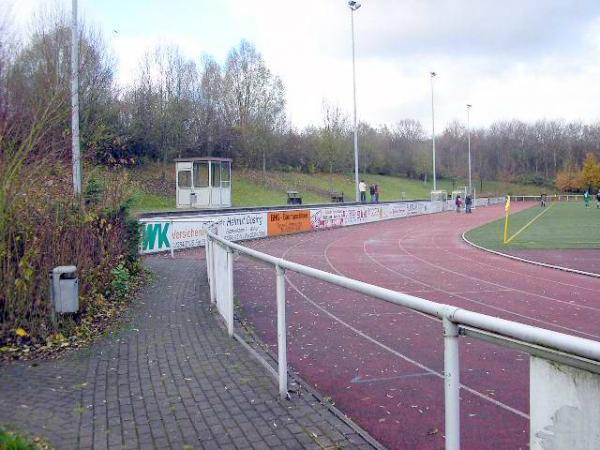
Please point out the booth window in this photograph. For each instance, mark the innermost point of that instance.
(216, 174)
(225, 172)
(184, 179)
(200, 174)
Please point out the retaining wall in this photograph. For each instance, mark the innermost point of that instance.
(177, 230)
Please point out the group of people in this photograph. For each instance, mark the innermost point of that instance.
(587, 198)
(468, 202)
(373, 192)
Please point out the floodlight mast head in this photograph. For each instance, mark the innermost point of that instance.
(433, 74)
(469, 106)
(353, 5)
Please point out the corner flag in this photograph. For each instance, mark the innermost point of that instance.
(507, 213)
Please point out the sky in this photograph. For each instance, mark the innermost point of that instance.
(521, 59)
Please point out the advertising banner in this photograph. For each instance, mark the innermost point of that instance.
(394, 210)
(288, 222)
(240, 227)
(323, 218)
(160, 233)
(163, 235)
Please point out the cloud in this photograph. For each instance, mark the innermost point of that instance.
(508, 29)
(525, 59)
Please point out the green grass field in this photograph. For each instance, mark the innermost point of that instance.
(562, 226)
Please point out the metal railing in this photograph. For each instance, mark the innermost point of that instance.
(562, 348)
(552, 197)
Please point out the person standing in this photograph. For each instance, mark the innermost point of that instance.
(542, 200)
(598, 199)
(372, 192)
(586, 199)
(376, 186)
(458, 203)
(362, 188)
(468, 202)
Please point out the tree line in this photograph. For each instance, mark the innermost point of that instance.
(178, 106)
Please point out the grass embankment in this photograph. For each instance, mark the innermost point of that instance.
(561, 226)
(155, 192)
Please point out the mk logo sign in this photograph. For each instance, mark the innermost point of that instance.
(156, 236)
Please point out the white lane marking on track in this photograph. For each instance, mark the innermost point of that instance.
(360, 380)
(404, 357)
(473, 300)
(496, 267)
(551, 324)
(380, 344)
(501, 285)
(470, 299)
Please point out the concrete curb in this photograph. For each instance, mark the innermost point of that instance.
(529, 261)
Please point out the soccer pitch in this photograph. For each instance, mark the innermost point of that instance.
(561, 226)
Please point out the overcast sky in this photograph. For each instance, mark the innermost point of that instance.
(525, 59)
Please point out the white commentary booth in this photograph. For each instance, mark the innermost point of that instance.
(203, 182)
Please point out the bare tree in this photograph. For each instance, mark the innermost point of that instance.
(333, 137)
(254, 101)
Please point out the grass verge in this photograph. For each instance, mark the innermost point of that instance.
(10, 440)
(153, 192)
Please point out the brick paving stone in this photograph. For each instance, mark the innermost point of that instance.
(169, 377)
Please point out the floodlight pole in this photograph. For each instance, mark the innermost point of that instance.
(433, 75)
(75, 101)
(469, 145)
(353, 5)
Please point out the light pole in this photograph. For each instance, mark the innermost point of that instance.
(433, 75)
(353, 5)
(75, 101)
(469, 145)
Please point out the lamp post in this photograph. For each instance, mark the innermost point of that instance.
(433, 75)
(75, 101)
(469, 145)
(353, 5)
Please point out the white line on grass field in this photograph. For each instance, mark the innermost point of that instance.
(524, 227)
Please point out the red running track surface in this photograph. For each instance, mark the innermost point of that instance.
(382, 364)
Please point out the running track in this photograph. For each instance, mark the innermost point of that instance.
(382, 364)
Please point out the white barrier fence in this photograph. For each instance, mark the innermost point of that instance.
(169, 233)
(564, 369)
(549, 198)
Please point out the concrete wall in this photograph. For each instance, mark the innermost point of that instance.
(564, 405)
(164, 232)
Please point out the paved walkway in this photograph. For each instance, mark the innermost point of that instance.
(171, 378)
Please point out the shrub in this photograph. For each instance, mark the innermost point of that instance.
(13, 441)
(120, 282)
(46, 227)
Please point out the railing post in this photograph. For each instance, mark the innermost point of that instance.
(451, 385)
(281, 333)
(171, 241)
(229, 291)
(210, 264)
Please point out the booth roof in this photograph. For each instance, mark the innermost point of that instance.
(202, 158)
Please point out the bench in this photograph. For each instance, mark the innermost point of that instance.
(294, 198)
(336, 197)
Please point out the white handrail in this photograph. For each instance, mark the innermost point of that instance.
(582, 347)
(572, 349)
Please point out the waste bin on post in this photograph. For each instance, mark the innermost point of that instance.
(64, 289)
